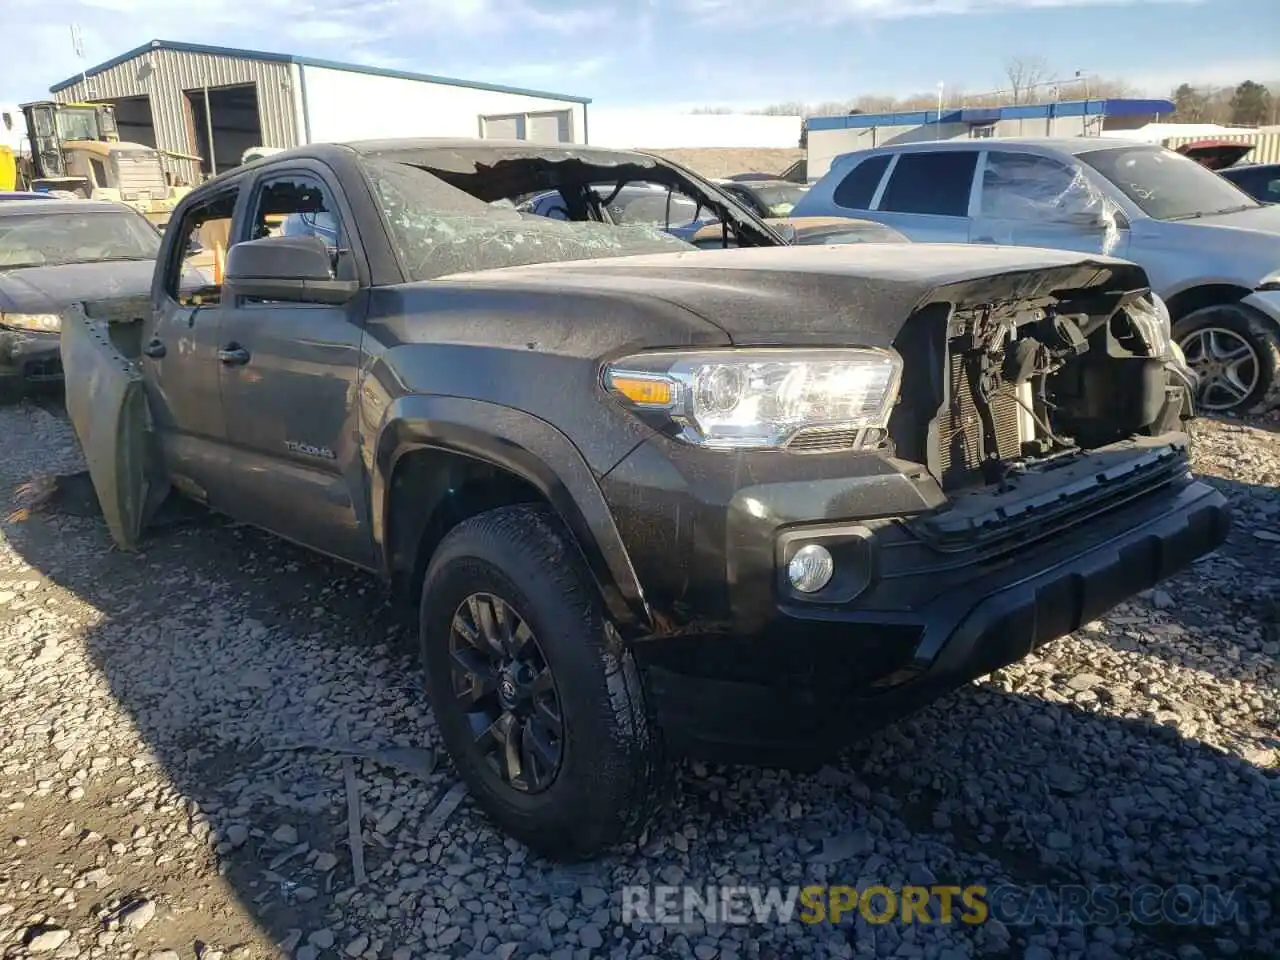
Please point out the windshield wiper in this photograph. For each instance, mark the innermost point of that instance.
(1215, 213)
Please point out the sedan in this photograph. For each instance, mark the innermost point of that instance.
(1211, 251)
(765, 198)
(54, 253)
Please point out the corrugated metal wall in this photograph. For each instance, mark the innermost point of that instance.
(1266, 145)
(165, 75)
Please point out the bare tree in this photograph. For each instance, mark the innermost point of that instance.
(792, 108)
(1024, 75)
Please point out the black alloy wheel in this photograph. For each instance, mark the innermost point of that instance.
(540, 704)
(504, 685)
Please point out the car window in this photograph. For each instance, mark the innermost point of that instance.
(1263, 185)
(206, 233)
(295, 205)
(936, 183)
(1166, 185)
(437, 229)
(299, 205)
(651, 204)
(64, 237)
(1024, 186)
(858, 188)
(778, 200)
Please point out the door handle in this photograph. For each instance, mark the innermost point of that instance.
(233, 355)
(155, 350)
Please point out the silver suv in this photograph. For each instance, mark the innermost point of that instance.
(1212, 252)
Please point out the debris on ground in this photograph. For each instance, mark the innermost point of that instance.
(205, 750)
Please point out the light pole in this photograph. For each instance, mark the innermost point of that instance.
(937, 127)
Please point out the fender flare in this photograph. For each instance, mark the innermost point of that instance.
(530, 448)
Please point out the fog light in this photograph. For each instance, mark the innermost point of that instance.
(811, 568)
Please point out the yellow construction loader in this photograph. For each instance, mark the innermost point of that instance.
(76, 147)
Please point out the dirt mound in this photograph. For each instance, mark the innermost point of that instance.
(725, 161)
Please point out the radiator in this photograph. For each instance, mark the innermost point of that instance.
(140, 172)
(960, 428)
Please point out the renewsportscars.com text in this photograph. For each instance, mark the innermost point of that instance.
(1065, 905)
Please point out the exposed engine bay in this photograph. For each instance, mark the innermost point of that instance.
(1025, 383)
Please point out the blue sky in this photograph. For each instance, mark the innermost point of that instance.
(681, 53)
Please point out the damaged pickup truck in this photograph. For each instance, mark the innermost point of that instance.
(650, 500)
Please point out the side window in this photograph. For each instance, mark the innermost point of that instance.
(195, 274)
(858, 188)
(935, 183)
(297, 205)
(1023, 186)
(294, 205)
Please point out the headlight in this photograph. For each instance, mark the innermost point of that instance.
(1150, 317)
(745, 399)
(43, 322)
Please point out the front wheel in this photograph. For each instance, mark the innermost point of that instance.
(539, 703)
(1235, 354)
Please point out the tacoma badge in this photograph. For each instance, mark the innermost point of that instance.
(310, 451)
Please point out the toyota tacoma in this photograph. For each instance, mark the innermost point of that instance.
(649, 500)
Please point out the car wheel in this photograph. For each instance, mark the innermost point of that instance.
(1235, 354)
(539, 703)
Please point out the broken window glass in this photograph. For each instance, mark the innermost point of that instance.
(439, 230)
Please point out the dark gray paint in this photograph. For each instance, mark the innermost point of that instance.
(51, 289)
(501, 365)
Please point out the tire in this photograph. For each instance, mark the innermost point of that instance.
(611, 770)
(1256, 387)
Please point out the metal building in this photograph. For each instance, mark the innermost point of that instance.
(829, 137)
(182, 97)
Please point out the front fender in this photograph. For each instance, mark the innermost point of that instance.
(529, 448)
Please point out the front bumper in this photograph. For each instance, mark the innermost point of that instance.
(952, 594)
(33, 357)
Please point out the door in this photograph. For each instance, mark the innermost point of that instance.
(1029, 200)
(289, 376)
(179, 351)
(927, 195)
(46, 150)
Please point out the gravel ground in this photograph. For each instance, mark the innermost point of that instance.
(172, 775)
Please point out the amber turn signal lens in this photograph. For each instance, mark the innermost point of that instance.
(643, 391)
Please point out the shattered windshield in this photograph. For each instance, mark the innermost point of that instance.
(439, 230)
(1167, 185)
(54, 239)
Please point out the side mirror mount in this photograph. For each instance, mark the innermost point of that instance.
(296, 269)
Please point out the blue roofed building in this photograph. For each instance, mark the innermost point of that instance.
(828, 137)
